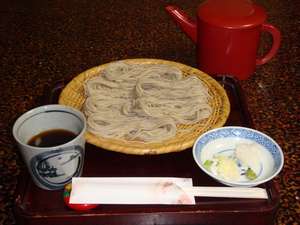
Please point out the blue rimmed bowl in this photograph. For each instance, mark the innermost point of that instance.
(225, 139)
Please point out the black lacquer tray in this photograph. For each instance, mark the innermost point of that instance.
(36, 206)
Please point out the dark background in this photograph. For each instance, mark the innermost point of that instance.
(44, 41)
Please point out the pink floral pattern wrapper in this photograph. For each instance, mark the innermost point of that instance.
(131, 190)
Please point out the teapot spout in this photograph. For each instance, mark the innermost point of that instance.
(184, 21)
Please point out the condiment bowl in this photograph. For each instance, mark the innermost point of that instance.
(238, 156)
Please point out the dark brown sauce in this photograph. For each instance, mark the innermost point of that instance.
(51, 138)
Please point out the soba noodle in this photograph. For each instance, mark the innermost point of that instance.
(143, 102)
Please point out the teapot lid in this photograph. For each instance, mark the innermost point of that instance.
(231, 13)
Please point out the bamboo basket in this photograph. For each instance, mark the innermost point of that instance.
(73, 95)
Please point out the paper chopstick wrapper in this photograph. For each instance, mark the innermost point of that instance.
(150, 190)
(130, 190)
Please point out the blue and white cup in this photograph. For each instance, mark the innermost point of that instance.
(51, 168)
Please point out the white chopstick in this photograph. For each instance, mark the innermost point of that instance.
(228, 192)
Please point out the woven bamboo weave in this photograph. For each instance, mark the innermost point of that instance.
(73, 95)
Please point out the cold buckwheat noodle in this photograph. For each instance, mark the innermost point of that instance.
(143, 102)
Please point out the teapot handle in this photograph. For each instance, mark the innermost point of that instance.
(276, 42)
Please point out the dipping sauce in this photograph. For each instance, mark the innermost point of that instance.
(51, 138)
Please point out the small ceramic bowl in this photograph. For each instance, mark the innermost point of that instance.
(268, 159)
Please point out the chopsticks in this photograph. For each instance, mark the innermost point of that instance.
(227, 192)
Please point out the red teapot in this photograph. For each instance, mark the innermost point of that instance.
(227, 35)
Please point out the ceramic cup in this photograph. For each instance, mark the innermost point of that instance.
(51, 168)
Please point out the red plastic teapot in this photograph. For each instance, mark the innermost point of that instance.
(227, 34)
